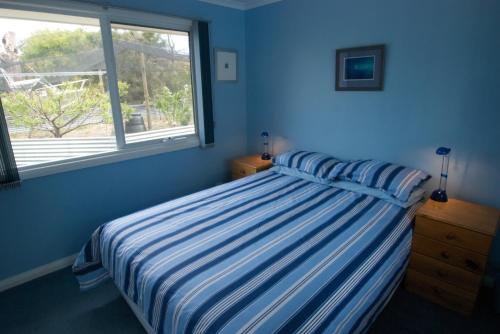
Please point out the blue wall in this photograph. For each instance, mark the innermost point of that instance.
(441, 87)
(51, 217)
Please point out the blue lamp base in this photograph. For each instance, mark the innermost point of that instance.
(439, 196)
(266, 156)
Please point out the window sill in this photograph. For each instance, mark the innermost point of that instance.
(140, 151)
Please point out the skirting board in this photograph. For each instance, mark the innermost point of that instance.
(32, 274)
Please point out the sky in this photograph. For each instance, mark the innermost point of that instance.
(24, 28)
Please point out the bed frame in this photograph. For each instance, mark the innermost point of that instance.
(138, 314)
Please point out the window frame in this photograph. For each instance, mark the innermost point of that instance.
(124, 151)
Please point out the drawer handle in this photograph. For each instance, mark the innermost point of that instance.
(445, 255)
(437, 291)
(441, 273)
(471, 264)
(242, 171)
(450, 236)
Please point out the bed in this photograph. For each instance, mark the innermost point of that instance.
(270, 253)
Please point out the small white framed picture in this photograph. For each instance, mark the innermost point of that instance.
(226, 65)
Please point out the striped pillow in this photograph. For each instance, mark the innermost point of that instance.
(315, 164)
(398, 181)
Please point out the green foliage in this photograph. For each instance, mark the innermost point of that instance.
(160, 70)
(176, 106)
(62, 109)
(58, 110)
(143, 37)
(49, 50)
(127, 110)
(67, 50)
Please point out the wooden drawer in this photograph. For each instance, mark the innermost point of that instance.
(459, 257)
(440, 292)
(239, 170)
(453, 235)
(450, 274)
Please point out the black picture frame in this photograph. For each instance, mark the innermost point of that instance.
(360, 68)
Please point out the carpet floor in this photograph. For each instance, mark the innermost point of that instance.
(54, 304)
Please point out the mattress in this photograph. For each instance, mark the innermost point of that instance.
(269, 253)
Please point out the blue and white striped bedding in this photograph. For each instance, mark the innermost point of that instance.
(397, 181)
(316, 164)
(269, 253)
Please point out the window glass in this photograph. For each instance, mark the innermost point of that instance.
(154, 79)
(53, 87)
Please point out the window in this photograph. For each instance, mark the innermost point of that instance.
(54, 87)
(106, 85)
(154, 79)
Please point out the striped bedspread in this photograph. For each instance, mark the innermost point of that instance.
(269, 253)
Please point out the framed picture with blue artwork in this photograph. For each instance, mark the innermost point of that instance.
(360, 68)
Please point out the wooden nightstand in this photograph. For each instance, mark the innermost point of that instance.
(450, 251)
(248, 165)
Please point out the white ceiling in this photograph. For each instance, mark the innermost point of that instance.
(241, 4)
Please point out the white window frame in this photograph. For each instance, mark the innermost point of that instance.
(106, 17)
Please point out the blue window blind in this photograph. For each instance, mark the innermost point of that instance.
(206, 82)
(9, 176)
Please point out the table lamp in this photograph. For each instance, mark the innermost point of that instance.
(265, 142)
(440, 195)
